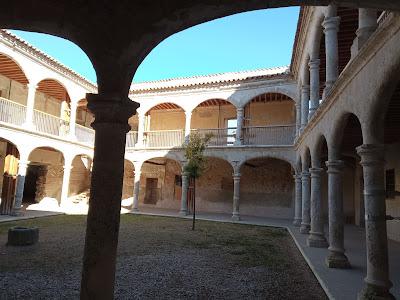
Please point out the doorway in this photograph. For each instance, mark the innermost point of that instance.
(30, 187)
(151, 195)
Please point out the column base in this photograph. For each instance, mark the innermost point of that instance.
(337, 260)
(297, 222)
(16, 212)
(317, 241)
(235, 217)
(305, 229)
(374, 292)
(183, 213)
(135, 210)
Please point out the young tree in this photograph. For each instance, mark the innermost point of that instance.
(196, 162)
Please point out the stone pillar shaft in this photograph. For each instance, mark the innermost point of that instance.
(136, 190)
(184, 197)
(367, 24)
(297, 200)
(298, 118)
(239, 128)
(331, 28)
(314, 86)
(236, 196)
(72, 120)
(305, 99)
(305, 192)
(111, 126)
(316, 237)
(30, 104)
(336, 257)
(19, 190)
(187, 125)
(65, 184)
(141, 124)
(377, 280)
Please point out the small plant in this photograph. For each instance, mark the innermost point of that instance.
(196, 162)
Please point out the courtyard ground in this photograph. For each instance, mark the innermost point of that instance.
(160, 257)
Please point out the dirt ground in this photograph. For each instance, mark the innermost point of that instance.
(161, 258)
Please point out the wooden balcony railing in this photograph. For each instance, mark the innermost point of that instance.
(84, 134)
(50, 124)
(131, 139)
(12, 112)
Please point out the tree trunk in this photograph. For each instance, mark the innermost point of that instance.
(194, 203)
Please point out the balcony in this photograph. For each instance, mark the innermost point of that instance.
(277, 135)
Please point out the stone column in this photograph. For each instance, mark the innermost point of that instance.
(19, 190)
(65, 184)
(236, 196)
(377, 280)
(187, 125)
(316, 236)
(314, 86)
(140, 139)
(305, 99)
(72, 120)
(336, 257)
(30, 104)
(367, 24)
(331, 28)
(297, 200)
(111, 126)
(136, 190)
(239, 128)
(298, 118)
(305, 196)
(184, 197)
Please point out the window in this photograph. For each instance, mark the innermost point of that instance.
(390, 184)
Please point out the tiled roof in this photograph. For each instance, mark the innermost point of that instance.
(210, 79)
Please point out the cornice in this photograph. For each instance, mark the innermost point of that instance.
(379, 38)
(25, 48)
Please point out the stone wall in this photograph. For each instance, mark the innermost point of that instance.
(212, 116)
(170, 119)
(129, 180)
(80, 175)
(13, 90)
(272, 113)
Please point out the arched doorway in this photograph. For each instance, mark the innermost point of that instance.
(9, 158)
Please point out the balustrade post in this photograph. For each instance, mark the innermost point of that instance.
(30, 104)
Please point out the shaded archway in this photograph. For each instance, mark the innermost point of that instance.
(44, 177)
(269, 119)
(79, 182)
(217, 117)
(164, 125)
(214, 189)
(9, 158)
(128, 183)
(160, 184)
(266, 188)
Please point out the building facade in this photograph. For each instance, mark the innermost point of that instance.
(315, 141)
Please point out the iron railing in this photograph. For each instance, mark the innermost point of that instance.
(164, 139)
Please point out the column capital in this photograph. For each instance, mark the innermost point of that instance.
(335, 166)
(137, 173)
(371, 154)
(111, 109)
(188, 113)
(239, 109)
(305, 88)
(32, 86)
(331, 24)
(314, 64)
(297, 177)
(316, 172)
(305, 175)
(236, 176)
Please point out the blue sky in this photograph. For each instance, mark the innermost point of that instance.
(252, 40)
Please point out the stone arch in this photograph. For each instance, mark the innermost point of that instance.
(171, 103)
(168, 116)
(128, 183)
(319, 148)
(276, 156)
(306, 159)
(15, 70)
(316, 36)
(266, 187)
(298, 164)
(288, 92)
(45, 176)
(80, 177)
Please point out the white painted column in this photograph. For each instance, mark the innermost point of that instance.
(236, 196)
(239, 128)
(65, 184)
(314, 86)
(377, 279)
(30, 104)
(136, 190)
(142, 120)
(188, 121)
(297, 200)
(305, 99)
(184, 197)
(331, 28)
(72, 120)
(19, 190)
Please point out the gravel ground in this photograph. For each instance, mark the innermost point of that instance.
(161, 258)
